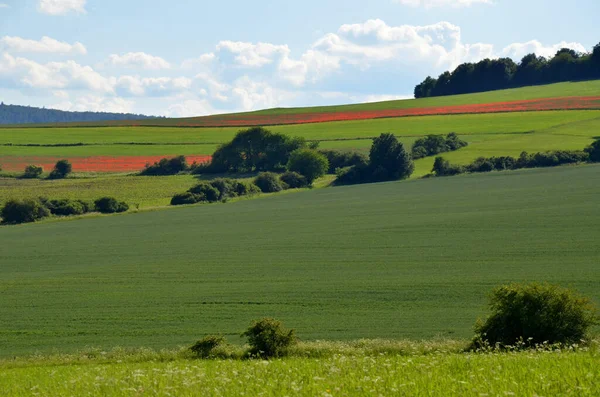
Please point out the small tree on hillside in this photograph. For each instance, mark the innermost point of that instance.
(389, 160)
(309, 163)
(32, 172)
(594, 151)
(61, 170)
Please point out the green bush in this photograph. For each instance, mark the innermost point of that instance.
(246, 188)
(294, 180)
(23, 211)
(442, 167)
(166, 166)
(309, 163)
(268, 338)
(110, 205)
(268, 182)
(342, 159)
(32, 172)
(205, 192)
(205, 347)
(535, 314)
(61, 170)
(593, 151)
(184, 198)
(436, 144)
(68, 207)
(388, 160)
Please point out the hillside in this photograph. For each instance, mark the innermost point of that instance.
(409, 259)
(14, 114)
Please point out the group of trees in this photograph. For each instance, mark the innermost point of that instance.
(32, 210)
(14, 114)
(495, 74)
(436, 144)
(61, 170)
(442, 167)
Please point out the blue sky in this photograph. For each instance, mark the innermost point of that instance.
(187, 57)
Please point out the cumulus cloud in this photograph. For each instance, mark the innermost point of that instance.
(45, 45)
(62, 7)
(253, 55)
(518, 50)
(152, 86)
(442, 3)
(139, 60)
(92, 103)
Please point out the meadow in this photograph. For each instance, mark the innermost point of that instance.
(441, 372)
(413, 259)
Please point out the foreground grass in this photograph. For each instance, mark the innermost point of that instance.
(358, 369)
(409, 259)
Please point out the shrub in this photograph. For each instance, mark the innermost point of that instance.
(342, 159)
(535, 313)
(389, 160)
(442, 167)
(268, 338)
(309, 163)
(294, 180)
(353, 175)
(246, 188)
(205, 192)
(166, 166)
(110, 205)
(32, 172)
(23, 211)
(268, 182)
(436, 144)
(205, 347)
(593, 151)
(61, 169)
(68, 207)
(184, 198)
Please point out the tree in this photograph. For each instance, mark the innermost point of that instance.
(388, 160)
(32, 172)
(309, 163)
(110, 205)
(61, 170)
(268, 338)
(172, 166)
(594, 151)
(23, 211)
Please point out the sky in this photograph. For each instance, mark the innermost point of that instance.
(183, 58)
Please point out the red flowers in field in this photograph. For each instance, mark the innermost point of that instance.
(90, 164)
(244, 120)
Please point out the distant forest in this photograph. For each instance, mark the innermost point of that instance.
(13, 114)
(488, 75)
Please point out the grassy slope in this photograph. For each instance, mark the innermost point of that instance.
(442, 374)
(409, 259)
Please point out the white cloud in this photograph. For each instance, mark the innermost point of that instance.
(250, 94)
(62, 7)
(190, 108)
(253, 55)
(202, 62)
(91, 103)
(152, 86)
(139, 60)
(518, 50)
(442, 3)
(45, 45)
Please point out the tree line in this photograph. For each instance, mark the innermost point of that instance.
(15, 114)
(496, 74)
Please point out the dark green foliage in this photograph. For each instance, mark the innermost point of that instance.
(184, 198)
(534, 314)
(442, 167)
(32, 172)
(342, 159)
(205, 192)
(268, 182)
(353, 175)
(13, 114)
(205, 347)
(255, 149)
(110, 205)
(593, 150)
(436, 144)
(67, 207)
(309, 163)
(61, 170)
(294, 180)
(268, 338)
(23, 211)
(388, 160)
(488, 75)
(166, 166)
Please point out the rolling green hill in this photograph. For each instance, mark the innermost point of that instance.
(409, 259)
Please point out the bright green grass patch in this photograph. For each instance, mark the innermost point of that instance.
(394, 260)
(443, 374)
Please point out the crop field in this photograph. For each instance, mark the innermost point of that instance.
(440, 373)
(413, 259)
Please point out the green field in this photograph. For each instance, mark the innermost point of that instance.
(440, 373)
(410, 259)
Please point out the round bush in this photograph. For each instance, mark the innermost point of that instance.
(268, 338)
(23, 211)
(110, 205)
(309, 163)
(294, 180)
(32, 172)
(67, 207)
(268, 182)
(184, 198)
(535, 313)
(61, 170)
(205, 192)
(205, 347)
